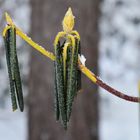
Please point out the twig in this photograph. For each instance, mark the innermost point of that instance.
(84, 69)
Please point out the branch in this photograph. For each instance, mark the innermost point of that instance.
(105, 86)
(83, 69)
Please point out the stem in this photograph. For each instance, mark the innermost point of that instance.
(35, 45)
(105, 86)
(139, 107)
(116, 92)
(83, 69)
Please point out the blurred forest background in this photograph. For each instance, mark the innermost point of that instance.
(110, 38)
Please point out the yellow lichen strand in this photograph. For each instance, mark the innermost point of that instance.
(68, 21)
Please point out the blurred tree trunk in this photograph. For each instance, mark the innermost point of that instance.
(46, 20)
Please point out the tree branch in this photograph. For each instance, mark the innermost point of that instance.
(83, 69)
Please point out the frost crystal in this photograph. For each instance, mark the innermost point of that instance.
(82, 59)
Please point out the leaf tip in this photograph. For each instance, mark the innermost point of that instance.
(8, 19)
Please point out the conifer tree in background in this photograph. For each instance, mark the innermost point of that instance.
(46, 20)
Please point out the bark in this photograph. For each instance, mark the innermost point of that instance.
(46, 20)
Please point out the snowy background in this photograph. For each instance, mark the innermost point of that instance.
(119, 66)
(118, 63)
(13, 123)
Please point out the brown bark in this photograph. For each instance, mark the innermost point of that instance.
(46, 20)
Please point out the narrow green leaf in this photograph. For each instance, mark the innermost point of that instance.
(15, 70)
(72, 69)
(12, 50)
(79, 84)
(60, 84)
(18, 85)
(56, 101)
(8, 45)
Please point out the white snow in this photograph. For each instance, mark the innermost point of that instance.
(120, 68)
(13, 125)
(82, 59)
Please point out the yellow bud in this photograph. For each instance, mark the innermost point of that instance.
(8, 19)
(68, 21)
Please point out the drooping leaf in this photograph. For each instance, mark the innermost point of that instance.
(56, 101)
(9, 43)
(13, 68)
(72, 71)
(79, 84)
(18, 85)
(60, 84)
(16, 71)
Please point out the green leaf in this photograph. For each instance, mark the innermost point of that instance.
(13, 69)
(72, 80)
(79, 84)
(9, 42)
(16, 71)
(60, 84)
(18, 85)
